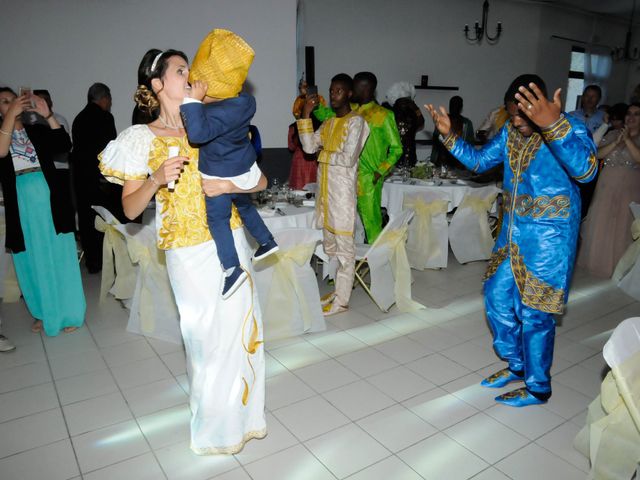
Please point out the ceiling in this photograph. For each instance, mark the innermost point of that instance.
(619, 8)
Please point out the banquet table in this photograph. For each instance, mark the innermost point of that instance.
(394, 190)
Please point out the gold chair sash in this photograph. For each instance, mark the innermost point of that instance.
(395, 240)
(117, 270)
(632, 254)
(426, 241)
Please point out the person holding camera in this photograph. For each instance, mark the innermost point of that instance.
(39, 225)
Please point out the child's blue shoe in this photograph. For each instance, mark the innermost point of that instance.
(232, 282)
(265, 250)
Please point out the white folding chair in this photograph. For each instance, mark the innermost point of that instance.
(611, 437)
(288, 288)
(153, 308)
(387, 265)
(118, 271)
(428, 240)
(469, 233)
(627, 272)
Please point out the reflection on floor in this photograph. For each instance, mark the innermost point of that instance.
(377, 396)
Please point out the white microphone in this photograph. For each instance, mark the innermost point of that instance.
(173, 152)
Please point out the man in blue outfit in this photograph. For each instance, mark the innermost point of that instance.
(527, 281)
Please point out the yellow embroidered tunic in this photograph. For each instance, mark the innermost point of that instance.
(180, 215)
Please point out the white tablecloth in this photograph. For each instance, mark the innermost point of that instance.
(393, 193)
(294, 217)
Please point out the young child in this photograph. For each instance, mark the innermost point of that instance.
(340, 140)
(217, 118)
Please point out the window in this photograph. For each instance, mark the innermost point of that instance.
(575, 85)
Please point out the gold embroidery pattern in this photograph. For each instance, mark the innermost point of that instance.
(538, 207)
(449, 141)
(518, 393)
(334, 134)
(116, 176)
(504, 373)
(183, 212)
(593, 165)
(257, 434)
(305, 125)
(252, 345)
(496, 259)
(557, 130)
(522, 150)
(373, 114)
(534, 292)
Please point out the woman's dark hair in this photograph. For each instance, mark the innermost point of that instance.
(8, 89)
(618, 111)
(523, 81)
(150, 68)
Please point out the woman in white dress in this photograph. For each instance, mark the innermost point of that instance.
(222, 338)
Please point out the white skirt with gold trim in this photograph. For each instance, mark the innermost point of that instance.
(223, 342)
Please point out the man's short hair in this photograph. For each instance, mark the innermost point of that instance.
(345, 79)
(523, 81)
(98, 91)
(366, 77)
(595, 88)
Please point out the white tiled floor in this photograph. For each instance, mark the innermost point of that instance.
(377, 396)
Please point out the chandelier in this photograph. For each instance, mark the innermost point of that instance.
(481, 30)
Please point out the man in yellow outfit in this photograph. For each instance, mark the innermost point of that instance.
(339, 140)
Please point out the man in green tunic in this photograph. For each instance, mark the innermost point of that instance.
(380, 153)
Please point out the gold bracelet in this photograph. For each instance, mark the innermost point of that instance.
(153, 180)
(5, 133)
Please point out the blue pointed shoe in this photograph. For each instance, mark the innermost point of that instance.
(501, 378)
(519, 398)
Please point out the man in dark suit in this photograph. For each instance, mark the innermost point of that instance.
(92, 129)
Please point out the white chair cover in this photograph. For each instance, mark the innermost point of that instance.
(9, 288)
(611, 437)
(389, 266)
(118, 271)
(288, 288)
(428, 240)
(469, 232)
(627, 272)
(153, 308)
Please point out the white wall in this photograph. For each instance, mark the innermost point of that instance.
(66, 45)
(404, 39)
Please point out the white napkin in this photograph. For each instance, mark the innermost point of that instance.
(309, 203)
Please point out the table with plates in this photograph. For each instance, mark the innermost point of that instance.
(394, 190)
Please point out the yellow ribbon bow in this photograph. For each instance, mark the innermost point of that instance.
(117, 270)
(630, 257)
(285, 290)
(426, 242)
(395, 241)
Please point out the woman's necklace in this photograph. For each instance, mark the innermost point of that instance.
(166, 125)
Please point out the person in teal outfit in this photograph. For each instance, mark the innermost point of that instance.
(39, 222)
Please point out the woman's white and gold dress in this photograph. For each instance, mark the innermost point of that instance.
(222, 338)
